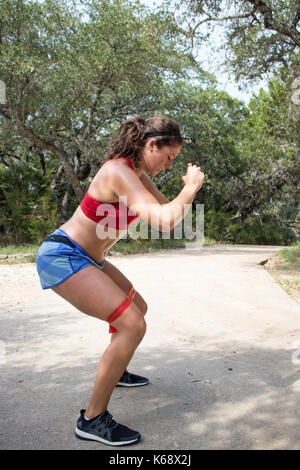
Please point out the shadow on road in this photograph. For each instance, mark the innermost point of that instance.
(231, 397)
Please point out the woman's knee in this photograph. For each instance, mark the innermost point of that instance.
(136, 323)
(140, 303)
(143, 307)
(132, 322)
(139, 328)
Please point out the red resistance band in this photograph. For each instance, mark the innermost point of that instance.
(119, 310)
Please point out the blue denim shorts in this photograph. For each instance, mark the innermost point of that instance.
(57, 260)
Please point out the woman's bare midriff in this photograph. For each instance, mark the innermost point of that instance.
(84, 232)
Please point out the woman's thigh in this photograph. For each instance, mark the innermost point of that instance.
(93, 292)
(120, 280)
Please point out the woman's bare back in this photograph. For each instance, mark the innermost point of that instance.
(84, 230)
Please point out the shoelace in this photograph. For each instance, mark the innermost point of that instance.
(109, 422)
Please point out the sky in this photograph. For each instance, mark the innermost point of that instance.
(225, 81)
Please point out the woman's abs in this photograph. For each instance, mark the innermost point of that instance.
(94, 238)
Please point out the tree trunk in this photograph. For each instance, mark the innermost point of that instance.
(54, 147)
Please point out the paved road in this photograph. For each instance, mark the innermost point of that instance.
(219, 352)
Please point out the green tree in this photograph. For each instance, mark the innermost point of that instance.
(270, 149)
(72, 74)
(250, 156)
(259, 36)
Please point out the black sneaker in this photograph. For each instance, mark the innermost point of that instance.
(132, 380)
(104, 429)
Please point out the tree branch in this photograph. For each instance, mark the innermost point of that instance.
(55, 148)
(270, 23)
(296, 18)
(92, 111)
(19, 160)
(224, 18)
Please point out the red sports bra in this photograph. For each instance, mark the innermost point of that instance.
(111, 214)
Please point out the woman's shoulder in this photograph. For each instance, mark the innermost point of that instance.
(114, 165)
(110, 173)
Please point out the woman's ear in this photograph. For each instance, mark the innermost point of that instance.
(152, 144)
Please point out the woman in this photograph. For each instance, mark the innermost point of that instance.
(71, 261)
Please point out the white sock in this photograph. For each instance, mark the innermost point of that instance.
(89, 419)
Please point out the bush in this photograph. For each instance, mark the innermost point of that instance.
(292, 255)
(220, 226)
(27, 212)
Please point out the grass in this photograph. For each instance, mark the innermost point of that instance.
(145, 246)
(19, 254)
(291, 257)
(16, 254)
(121, 247)
(18, 249)
(285, 268)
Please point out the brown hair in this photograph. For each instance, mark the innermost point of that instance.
(134, 133)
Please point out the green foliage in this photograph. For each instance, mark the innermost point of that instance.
(43, 219)
(257, 37)
(292, 254)
(256, 232)
(73, 75)
(19, 249)
(219, 227)
(131, 246)
(250, 156)
(26, 211)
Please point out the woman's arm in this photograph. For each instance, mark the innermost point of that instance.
(153, 189)
(164, 217)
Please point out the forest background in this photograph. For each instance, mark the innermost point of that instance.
(72, 71)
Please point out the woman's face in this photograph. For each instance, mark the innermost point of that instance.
(159, 159)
